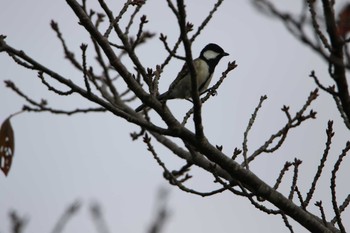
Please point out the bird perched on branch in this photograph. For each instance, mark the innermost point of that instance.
(204, 65)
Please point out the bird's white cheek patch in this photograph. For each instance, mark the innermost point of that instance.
(210, 54)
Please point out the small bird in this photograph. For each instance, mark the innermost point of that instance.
(204, 65)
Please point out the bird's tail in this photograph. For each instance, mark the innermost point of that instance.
(140, 108)
(163, 96)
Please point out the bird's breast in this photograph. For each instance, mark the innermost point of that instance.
(203, 75)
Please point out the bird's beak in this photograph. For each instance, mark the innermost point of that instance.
(225, 54)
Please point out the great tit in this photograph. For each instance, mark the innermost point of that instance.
(204, 65)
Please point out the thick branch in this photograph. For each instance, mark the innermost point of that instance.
(197, 117)
(339, 74)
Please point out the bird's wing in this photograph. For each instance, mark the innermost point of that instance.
(183, 72)
(181, 86)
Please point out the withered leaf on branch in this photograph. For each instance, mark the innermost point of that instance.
(7, 146)
(344, 21)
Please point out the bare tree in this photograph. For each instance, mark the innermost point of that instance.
(328, 40)
(231, 171)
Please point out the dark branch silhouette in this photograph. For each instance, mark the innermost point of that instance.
(231, 172)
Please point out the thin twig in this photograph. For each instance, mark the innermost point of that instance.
(51, 88)
(329, 90)
(316, 26)
(68, 54)
(296, 164)
(131, 20)
(83, 48)
(98, 218)
(323, 215)
(172, 53)
(206, 20)
(173, 9)
(171, 177)
(64, 112)
(286, 222)
(257, 205)
(300, 197)
(342, 207)
(249, 127)
(333, 187)
(143, 21)
(292, 123)
(282, 172)
(66, 216)
(116, 20)
(17, 223)
(330, 134)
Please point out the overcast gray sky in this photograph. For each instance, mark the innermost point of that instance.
(91, 158)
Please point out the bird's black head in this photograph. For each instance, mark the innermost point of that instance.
(212, 53)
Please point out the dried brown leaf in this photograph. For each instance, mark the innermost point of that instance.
(7, 146)
(344, 21)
